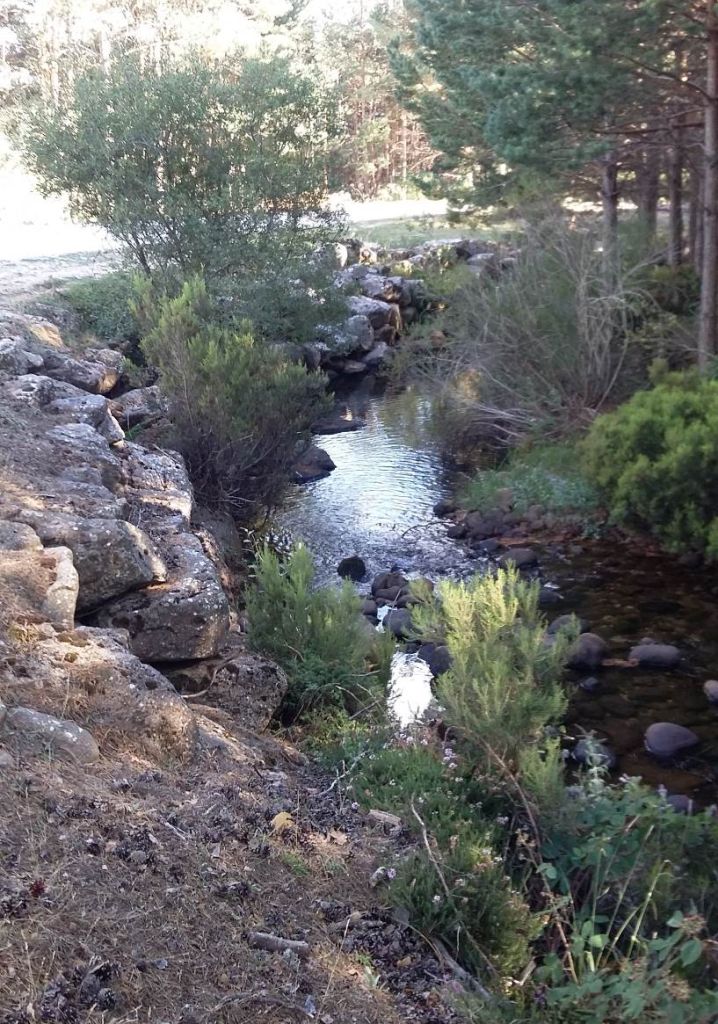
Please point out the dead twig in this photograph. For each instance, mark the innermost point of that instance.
(276, 944)
(258, 997)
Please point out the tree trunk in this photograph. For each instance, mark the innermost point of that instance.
(708, 325)
(609, 201)
(700, 204)
(648, 184)
(675, 196)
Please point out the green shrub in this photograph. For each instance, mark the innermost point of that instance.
(504, 685)
(317, 635)
(535, 350)
(675, 289)
(655, 459)
(103, 305)
(548, 475)
(240, 410)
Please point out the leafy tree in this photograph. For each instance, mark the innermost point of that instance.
(219, 168)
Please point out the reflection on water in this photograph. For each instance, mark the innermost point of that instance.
(378, 502)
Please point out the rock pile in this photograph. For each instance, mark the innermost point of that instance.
(98, 528)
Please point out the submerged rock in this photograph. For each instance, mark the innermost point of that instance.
(593, 753)
(665, 740)
(710, 688)
(436, 656)
(352, 568)
(313, 464)
(660, 656)
(520, 558)
(587, 653)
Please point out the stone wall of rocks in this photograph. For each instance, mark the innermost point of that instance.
(101, 564)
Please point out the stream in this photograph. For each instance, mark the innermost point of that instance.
(378, 504)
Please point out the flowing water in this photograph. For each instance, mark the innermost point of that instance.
(378, 504)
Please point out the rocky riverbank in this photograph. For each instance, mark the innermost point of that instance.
(161, 855)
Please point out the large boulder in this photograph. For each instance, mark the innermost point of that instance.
(16, 359)
(18, 537)
(380, 314)
(96, 372)
(141, 405)
(111, 556)
(157, 482)
(66, 401)
(666, 740)
(246, 684)
(518, 558)
(34, 732)
(184, 618)
(124, 700)
(313, 464)
(84, 455)
(38, 585)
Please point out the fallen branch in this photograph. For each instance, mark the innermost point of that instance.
(259, 997)
(276, 944)
(460, 973)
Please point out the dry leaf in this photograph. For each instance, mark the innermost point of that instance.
(282, 822)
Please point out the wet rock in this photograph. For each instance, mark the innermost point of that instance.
(337, 423)
(665, 740)
(593, 753)
(587, 653)
(445, 507)
(436, 656)
(481, 525)
(457, 531)
(398, 622)
(184, 618)
(18, 537)
(111, 556)
(139, 406)
(352, 568)
(520, 558)
(658, 656)
(313, 464)
(387, 580)
(247, 685)
(590, 684)
(33, 732)
(570, 621)
(487, 547)
(369, 608)
(549, 597)
(710, 689)
(353, 367)
(681, 803)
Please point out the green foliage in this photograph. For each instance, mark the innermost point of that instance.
(548, 475)
(240, 409)
(536, 350)
(198, 167)
(656, 461)
(503, 686)
(317, 636)
(103, 305)
(676, 290)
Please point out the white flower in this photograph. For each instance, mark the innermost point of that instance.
(436, 899)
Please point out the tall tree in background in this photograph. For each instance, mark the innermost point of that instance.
(510, 88)
(385, 145)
